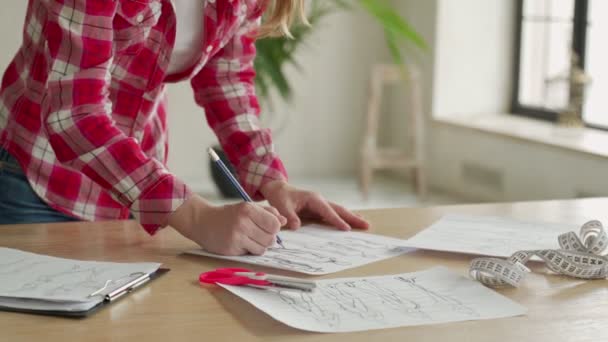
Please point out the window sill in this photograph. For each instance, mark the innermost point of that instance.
(582, 140)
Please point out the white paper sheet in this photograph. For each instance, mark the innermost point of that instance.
(41, 277)
(317, 250)
(433, 296)
(486, 235)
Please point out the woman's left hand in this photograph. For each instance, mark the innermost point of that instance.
(296, 204)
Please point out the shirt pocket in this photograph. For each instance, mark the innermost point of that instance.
(132, 24)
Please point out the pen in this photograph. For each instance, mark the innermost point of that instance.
(235, 183)
(128, 287)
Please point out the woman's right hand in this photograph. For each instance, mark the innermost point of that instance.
(234, 229)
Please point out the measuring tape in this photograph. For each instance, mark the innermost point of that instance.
(578, 257)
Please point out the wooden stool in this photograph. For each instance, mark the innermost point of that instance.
(411, 158)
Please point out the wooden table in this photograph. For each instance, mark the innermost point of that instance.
(175, 307)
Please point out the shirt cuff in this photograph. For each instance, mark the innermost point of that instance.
(257, 171)
(153, 208)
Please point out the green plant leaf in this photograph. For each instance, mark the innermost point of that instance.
(393, 46)
(268, 64)
(273, 54)
(392, 22)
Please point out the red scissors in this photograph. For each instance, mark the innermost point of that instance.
(245, 277)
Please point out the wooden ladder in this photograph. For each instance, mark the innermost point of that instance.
(413, 157)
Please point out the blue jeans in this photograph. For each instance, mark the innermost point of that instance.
(18, 201)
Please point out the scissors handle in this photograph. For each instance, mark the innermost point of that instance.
(227, 276)
(245, 277)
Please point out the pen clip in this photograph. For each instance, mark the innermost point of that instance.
(105, 286)
(136, 281)
(128, 287)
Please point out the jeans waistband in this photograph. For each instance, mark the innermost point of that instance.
(5, 157)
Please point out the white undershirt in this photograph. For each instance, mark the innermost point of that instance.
(189, 34)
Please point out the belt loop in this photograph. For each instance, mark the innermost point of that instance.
(4, 156)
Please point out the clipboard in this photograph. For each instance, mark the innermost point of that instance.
(104, 300)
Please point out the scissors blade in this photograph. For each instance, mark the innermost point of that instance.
(275, 279)
(293, 286)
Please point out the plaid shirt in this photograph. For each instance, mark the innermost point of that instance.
(83, 104)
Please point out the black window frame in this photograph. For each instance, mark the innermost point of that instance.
(579, 41)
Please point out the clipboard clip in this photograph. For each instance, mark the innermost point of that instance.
(141, 279)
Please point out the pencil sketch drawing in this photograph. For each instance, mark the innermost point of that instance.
(29, 275)
(372, 300)
(314, 250)
(433, 296)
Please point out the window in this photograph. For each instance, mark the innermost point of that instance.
(549, 33)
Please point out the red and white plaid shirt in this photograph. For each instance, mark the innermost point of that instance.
(83, 104)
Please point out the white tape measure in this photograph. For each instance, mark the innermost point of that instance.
(577, 257)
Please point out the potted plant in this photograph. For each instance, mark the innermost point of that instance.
(273, 54)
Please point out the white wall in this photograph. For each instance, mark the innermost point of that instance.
(472, 74)
(11, 24)
(324, 122)
(474, 54)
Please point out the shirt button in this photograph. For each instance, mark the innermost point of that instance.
(209, 48)
(140, 18)
(212, 1)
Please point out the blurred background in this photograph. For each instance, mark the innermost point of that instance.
(513, 97)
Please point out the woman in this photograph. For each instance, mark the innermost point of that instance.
(83, 118)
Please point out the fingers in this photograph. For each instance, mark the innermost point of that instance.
(275, 212)
(264, 219)
(293, 221)
(254, 247)
(354, 220)
(289, 212)
(261, 237)
(322, 208)
(262, 228)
